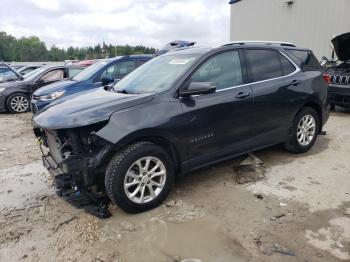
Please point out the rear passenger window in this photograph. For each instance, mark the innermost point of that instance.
(224, 70)
(264, 64)
(287, 66)
(109, 72)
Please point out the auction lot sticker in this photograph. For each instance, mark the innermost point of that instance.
(179, 61)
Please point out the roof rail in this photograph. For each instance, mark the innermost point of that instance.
(260, 42)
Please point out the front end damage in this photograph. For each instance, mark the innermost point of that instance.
(76, 159)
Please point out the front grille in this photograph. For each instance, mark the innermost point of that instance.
(340, 80)
(34, 108)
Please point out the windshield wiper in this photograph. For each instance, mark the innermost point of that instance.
(123, 91)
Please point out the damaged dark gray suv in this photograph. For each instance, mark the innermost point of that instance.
(179, 112)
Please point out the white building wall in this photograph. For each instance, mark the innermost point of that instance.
(306, 23)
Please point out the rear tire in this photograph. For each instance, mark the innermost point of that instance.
(18, 103)
(305, 129)
(139, 177)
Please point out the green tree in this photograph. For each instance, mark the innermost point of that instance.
(7, 47)
(28, 49)
(31, 49)
(56, 54)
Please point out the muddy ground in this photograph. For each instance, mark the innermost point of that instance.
(298, 210)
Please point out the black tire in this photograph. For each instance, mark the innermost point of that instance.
(120, 164)
(293, 143)
(18, 110)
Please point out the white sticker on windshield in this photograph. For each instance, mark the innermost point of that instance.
(179, 61)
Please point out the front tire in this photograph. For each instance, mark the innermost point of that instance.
(18, 103)
(139, 177)
(305, 129)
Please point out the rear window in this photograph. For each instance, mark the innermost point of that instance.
(264, 64)
(307, 60)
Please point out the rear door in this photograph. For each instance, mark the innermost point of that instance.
(220, 122)
(278, 90)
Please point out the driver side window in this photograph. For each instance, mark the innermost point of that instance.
(223, 69)
(53, 75)
(108, 72)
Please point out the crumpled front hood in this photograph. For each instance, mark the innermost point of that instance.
(341, 45)
(54, 87)
(88, 108)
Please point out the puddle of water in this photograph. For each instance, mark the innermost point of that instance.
(22, 185)
(159, 238)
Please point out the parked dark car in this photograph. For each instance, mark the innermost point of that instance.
(103, 72)
(15, 95)
(179, 112)
(339, 89)
(27, 69)
(8, 73)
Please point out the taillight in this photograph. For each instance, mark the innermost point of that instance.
(327, 78)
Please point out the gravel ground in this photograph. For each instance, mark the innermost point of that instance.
(290, 208)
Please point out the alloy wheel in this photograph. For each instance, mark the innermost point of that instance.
(306, 130)
(145, 179)
(19, 104)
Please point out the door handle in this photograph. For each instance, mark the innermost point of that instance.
(242, 95)
(295, 82)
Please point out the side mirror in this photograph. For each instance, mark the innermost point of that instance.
(107, 80)
(198, 88)
(40, 81)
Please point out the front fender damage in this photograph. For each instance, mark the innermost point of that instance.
(76, 159)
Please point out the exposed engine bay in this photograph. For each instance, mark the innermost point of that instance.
(75, 159)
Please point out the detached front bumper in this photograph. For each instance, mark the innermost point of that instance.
(67, 187)
(62, 174)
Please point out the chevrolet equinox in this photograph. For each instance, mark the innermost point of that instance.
(182, 111)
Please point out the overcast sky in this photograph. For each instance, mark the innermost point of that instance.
(88, 22)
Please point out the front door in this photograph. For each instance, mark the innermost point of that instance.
(49, 78)
(221, 122)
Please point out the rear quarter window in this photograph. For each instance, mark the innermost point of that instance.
(306, 59)
(287, 66)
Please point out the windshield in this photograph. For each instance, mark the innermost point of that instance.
(90, 71)
(157, 75)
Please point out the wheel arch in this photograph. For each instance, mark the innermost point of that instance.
(157, 137)
(317, 107)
